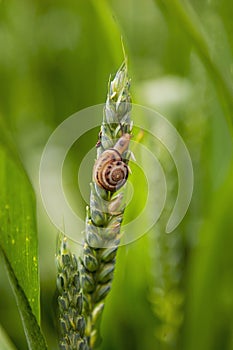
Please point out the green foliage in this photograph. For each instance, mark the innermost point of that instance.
(55, 59)
(205, 292)
(32, 331)
(18, 233)
(19, 243)
(184, 16)
(5, 342)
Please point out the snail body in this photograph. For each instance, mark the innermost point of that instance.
(110, 171)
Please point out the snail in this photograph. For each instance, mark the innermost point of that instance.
(110, 171)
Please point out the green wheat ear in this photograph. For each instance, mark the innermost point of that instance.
(70, 301)
(105, 214)
(83, 285)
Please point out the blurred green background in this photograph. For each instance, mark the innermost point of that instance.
(170, 291)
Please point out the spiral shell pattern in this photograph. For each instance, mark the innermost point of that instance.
(110, 171)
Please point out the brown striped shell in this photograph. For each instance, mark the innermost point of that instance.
(110, 171)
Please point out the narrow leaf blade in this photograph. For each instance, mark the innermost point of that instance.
(32, 330)
(18, 235)
(5, 342)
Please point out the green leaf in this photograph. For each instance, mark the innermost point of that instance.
(5, 342)
(7, 142)
(32, 330)
(18, 236)
(187, 19)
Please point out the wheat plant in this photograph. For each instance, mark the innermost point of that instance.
(83, 287)
(105, 214)
(70, 302)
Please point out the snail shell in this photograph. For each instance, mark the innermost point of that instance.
(110, 171)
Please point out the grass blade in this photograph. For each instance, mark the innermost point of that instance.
(32, 331)
(192, 27)
(18, 235)
(5, 342)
